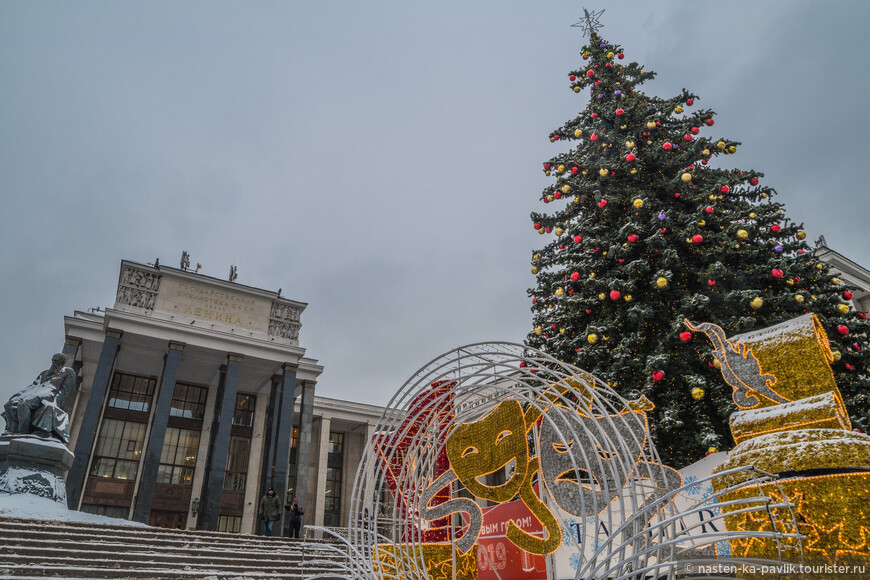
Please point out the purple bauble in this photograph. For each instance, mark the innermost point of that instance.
(600, 95)
(602, 45)
(777, 249)
(617, 92)
(662, 216)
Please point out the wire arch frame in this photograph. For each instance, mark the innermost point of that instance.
(619, 480)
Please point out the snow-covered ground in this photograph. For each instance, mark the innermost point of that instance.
(32, 507)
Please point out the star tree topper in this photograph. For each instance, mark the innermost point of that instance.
(589, 23)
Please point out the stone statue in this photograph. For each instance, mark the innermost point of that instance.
(39, 408)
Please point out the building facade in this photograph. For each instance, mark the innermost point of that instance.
(194, 398)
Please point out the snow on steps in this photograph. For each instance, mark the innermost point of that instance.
(53, 549)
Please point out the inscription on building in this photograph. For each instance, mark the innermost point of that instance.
(215, 305)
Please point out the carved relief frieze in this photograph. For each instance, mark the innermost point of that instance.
(138, 288)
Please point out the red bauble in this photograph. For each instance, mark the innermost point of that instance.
(703, 162)
(620, 56)
(843, 329)
(725, 189)
(687, 137)
(776, 228)
(574, 171)
(849, 367)
(630, 157)
(776, 273)
(677, 194)
(534, 371)
(572, 77)
(602, 203)
(615, 295)
(619, 112)
(555, 137)
(632, 238)
(575, 276)
(597, 83)
(856, 346)
(711, 282)
(690, 102)
(548, 230)
(547, 166)
(571, 291)
(664, 230)
(590, 73)
(593, 137)
(522, 365)
(546, 200)
(847, 295)
(554, 325)
(558, 194)
(708, 209)
(608, 65)
(536, 225)
(588, 311)
(753, 181)
(697, 238)
(695, 130)
(578, 239)
(534, 300)
(709, 122)
(667, 146)
(862, 316)
(658, 376)
(686, 336)
(594, 115)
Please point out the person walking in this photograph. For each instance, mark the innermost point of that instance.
(270, 510)
(296, 513)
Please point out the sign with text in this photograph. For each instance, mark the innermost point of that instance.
(498, 557)
(214, 304)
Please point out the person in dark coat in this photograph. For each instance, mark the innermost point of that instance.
(296, 513)
(270, 510)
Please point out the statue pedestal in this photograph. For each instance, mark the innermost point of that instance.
(31, 464)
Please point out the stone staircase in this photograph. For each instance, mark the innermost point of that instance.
(77, 550)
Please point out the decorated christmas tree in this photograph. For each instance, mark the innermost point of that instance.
(646, 227)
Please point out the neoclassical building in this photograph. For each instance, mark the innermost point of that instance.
(195, 397)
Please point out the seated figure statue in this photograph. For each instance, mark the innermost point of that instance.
(39, 408)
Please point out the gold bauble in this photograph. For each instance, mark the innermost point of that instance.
(560, 169)
(843, 308)
(686, 177)
(536, 257)
(801, 235)
(702, 223)
(562, 331)
(732, 149)
(649, 142)
(650, 125)
(551, 198)
(790, 282)
(717, 364)
(576, 89)
(547, 173)
(591, 274)
(753, 215)
(539, 330)
(542, 230)
(662, 282)
(609, 55)
(742, 234)
(559, 292)
(799, 298)
(678, 109)
(633, 171)
(628, 298)
(837, 355)
(552, 140)
(638, 203)
(578, 133)
(603, 172)
(534, 269)
(705, 152)
(712, 450)
(566, 188)
(756, 303)
(819, 266)
(629, 144)
(558, 231)
(576, 200)
(697, 393)
(836, 281)
(721, 145)
(602, 296)
(592, 338)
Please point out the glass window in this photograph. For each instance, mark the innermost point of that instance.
(188, 401)
(244, 411)
(333, 490)
(336, 442)
(105, 510)
(131, 392)
(232, 524)
(178, 456)
(119, 447)
(237, 463)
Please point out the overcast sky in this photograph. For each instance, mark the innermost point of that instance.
(377, 160)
